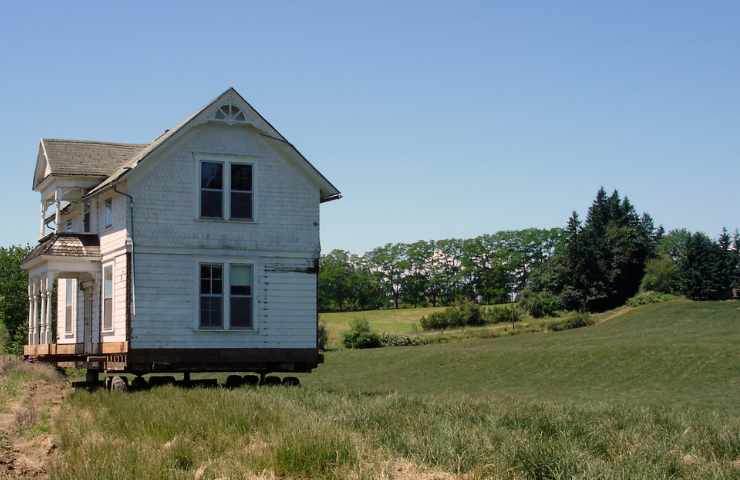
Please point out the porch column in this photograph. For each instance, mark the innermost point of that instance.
(58, 214)
(50, 279)
(43, 213)
(30, 313)
(35, 310)
(42, 317)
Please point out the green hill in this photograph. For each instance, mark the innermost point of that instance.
(678, 352)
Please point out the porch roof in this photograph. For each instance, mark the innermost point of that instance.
(66, 245)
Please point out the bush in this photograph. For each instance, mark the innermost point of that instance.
(661, 275)
(323, 336)
(462, 315)
(646, 298)
(504, 314)
(540, 304)
(578, 320)
(395, 340)
(360, 335)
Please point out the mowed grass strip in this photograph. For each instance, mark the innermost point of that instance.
(309, 433)
(679, 352)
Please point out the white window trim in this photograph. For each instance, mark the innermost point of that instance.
(226, 284)
(226, 161)
(112, 328)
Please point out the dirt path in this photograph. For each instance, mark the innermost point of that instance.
(26, 446)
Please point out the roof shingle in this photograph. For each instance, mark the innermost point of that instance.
(87, 157)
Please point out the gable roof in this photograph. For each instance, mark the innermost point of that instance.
(257, 122)
(85, 157)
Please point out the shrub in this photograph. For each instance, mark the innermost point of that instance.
(578, 320)
(323, 336)
(461, 315)
(540, 304)
(360, 335)
(646, 298)
(661, 275)
(395, 340)
(504, 314)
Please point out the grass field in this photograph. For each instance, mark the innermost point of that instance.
(402, 321)
(651, 393)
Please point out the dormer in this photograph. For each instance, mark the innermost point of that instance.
(67, 169)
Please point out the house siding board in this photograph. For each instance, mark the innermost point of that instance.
(166, 192)
(167, 306)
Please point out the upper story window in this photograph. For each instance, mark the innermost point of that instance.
(231, 113)
(108, 213)
(86, 217)
(226, 190)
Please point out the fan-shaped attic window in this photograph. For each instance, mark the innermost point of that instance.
(231, 113)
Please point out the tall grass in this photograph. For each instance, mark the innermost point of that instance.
(308, 433)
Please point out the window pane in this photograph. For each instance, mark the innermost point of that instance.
(241, 279)
(241, 205)
(108, 213)
(241, 177)
(241, 312)
(211, 312)
(211, 175)
(68, 319)
(69, 286)
(108, 282)
(108, 314)
(211, 204)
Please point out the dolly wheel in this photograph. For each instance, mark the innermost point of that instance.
(291, 382)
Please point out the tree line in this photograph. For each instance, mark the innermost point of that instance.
(592, 264)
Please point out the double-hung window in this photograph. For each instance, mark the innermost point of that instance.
(240, 295)
(212, 189)
(68, 305)
(211, 295)
(108, 213)
(108, 298)
(226, 296)
(226, 190)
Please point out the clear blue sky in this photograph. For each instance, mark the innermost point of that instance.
(435, 120)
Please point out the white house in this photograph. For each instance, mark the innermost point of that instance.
(196, 252)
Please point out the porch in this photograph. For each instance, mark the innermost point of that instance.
(70, 334)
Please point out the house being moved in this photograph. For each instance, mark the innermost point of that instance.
(196, 252)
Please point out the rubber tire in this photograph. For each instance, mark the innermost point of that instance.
(251, 380)
(161, 380)
(234, 381)
(291, 382)
(271, 381)
(139, 383)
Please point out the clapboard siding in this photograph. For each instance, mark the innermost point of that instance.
(286, 203)
(166, 191)
(167, 305)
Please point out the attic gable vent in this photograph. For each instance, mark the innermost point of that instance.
(230, 113)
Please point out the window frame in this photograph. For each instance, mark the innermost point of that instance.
(103, 328)
(227, 161)
(108, 213)
(226, 295)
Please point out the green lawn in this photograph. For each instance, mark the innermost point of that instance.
(648, 393)
(679, 352)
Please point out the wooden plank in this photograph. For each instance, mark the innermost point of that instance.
(114, 347)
